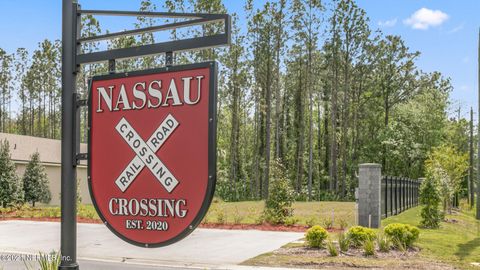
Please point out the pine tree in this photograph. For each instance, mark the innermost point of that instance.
(10, 185)
(35, 182)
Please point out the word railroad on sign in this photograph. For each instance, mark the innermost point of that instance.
(145, 154)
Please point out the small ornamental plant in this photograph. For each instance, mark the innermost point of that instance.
(343, 242)
(316, 236)
(35, 182)
(402, 234)
(11, 190)
(278, 205)
(369, 247)
(332, 249)
(383, 242)
(430, 200)
(358, 235)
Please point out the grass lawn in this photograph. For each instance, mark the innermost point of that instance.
(248, 212)
(455, 244)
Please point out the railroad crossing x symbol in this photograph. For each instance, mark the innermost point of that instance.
(145, 154)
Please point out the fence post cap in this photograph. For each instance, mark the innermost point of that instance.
(369, 165)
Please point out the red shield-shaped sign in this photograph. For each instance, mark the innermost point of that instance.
(152, 148)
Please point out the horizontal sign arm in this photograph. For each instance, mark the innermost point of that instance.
(150, 29)
(153, 49)
(146, 14)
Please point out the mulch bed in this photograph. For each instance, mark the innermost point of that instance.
(79, 219)
(352, 252)
(261, 227)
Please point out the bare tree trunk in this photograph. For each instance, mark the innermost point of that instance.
(267, 128)
(470, 168)
(333, 143)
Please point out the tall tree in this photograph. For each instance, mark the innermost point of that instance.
(396, 73)
(6, 76)
(21, 68)
(354, 33)
(306, 22)
(236, 79)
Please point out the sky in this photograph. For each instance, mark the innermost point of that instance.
(444, 31)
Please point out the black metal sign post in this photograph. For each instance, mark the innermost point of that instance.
(68, 241)
(71, 61)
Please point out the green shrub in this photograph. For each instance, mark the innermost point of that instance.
(11, 188)
(342, 223)
(35, 182)
(383, 242)
(316, 236)
(369, 247)
(430, 200)
(402, 234)
(237, 217)
(311, 221)
(327, 223)
(358, 235)
(343, 242)
(259, 220)
(221, 216)
(290, 221)
(278, 205)
(332, 249)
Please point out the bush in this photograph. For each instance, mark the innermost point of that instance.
(311, 221)
(403, 234)
(383, 242)
(11, 190)
(342, 223)
(221, 216)
(327, 223)
(237, 217)
(290, 221)
(430, 199)
(316, 236)
(332, 249)
(369, 247)
(278, 205)
(35, 182)
(358, 235)
(343, 242)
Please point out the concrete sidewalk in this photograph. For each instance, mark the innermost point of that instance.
(203, 248)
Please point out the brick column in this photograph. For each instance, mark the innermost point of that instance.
(369, 191)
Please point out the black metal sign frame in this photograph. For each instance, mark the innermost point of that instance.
(71, 105)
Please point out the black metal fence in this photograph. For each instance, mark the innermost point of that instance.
(398, 194)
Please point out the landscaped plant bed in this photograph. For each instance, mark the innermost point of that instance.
(300, 255)
(352, 252)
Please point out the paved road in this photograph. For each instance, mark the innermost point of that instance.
(106, 265)
(204, 248)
